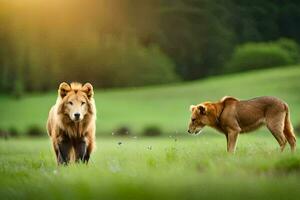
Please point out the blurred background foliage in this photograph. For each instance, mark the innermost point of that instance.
(121, 43)
(260, 55)
(128, 43)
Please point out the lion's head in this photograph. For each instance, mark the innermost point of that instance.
(75, 100)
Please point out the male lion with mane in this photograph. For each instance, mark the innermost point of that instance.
(71, 123)
(231, 117)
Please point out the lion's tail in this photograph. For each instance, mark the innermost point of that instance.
(288, 129)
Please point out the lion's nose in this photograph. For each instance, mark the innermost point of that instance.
(189, 131)
(77, 115)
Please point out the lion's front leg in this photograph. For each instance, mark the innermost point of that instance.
(64, 148)
(88, 153)
(80, 149)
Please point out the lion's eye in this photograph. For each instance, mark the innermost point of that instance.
(193, 119)
(70, 102)
(82, 103)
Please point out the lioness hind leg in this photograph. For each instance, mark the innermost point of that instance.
(280, 138)
(276, 124)
(291, 139)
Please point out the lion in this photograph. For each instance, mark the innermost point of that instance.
(231, 117)
(71, 123)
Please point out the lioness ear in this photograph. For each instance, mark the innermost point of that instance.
(63, 90)
(202, 109)
(192, 107)
(88, 89)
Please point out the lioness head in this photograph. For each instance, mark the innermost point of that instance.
(202, 115)
(75, 100)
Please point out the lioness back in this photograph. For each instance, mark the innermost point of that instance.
(252, 113)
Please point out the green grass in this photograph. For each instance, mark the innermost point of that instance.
(159, 168)
(162, 168)
(162, 106)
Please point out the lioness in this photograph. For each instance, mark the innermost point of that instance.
(232, 116)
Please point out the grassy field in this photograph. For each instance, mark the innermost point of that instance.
(162, 168)
(171, 167)
(164, 106)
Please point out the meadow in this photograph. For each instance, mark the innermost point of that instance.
(166, 107)
(175, 166)
(153, 168)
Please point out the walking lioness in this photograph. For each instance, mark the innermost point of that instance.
(232, 116)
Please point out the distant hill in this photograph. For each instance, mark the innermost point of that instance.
(166, 107)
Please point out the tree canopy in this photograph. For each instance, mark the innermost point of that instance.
(117, 43)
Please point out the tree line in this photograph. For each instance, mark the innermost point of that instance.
(121, 43)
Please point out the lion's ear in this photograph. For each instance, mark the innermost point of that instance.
(88, 89)
(202, 109)
(63, 90)
(192, 107)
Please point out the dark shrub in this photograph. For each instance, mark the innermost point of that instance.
(292, 47)
(13, 132)
(4, 134)
(35, 131)
(263, 55)
(122, 131)
(152, 131)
